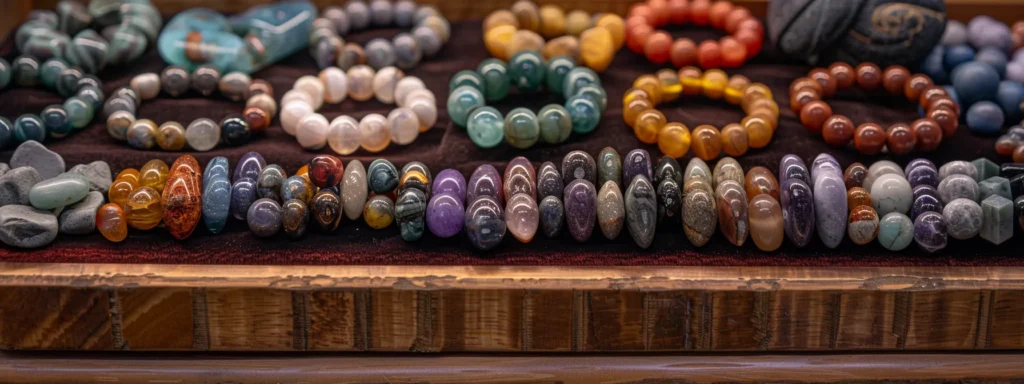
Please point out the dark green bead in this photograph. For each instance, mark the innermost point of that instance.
(409, 212)
(29, 127)
(521, 128)
(67, 82)
(496, 80)
(26, 71)
(462, 102)
(558, 68)
(526, 70)
(50, 72)
(577, 78)
(6, 133)
(79, 111)
(92, 95)
(6, 73)
(382, 176)
(55, 120)
(585, 114)
(234, 130)
(595, 93)
(555, 124)
(467, 77)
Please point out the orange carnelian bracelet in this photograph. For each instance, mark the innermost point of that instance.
(674, 139)
(746, 33)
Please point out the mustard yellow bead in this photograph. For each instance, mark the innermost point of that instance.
(496, 40)
(651, 85)
(124, 184)
(759, 132)
(633, 94)
(707, 142)
(379, 212)
(714, 83)
(634, 108)
(499, 18)
(670, 85)
(762, 103)
(524, 40)
(576, 22)
(154, 174)
(768, 116)
(597, 49)
(692, 79)
(562, 46)
(552, 21)
(528, 14)
(648, 124)
(144, 208)
(616, 26)
(734, 90)
(674, 140)
(734, 140)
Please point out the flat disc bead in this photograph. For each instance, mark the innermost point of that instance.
(171, 136)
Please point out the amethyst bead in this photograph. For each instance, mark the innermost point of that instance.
(445, 215)
(580, 208)
(793, 167)
(637, 162)
(797, 202)
(243, 194)
(825, 163)
(830, 208)
(578, 165)
(917, 163)
(264, 217)
(485, 222)
(930, 231)
(926, 199)
(249, 166)
(549, 181)
(485, 181)
(450, 182)
(552, 215)
(923, 175)
(520, 178)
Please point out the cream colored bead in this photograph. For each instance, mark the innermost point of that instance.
(335, 84)
(295, 94)
(384, 82)
(312, 132)
(404, 125)
(425, 110)
(360, 82)
(292, 113)
(265, 102)
(343, 135)
(405, 85)
(146, 85)
(312, 86)
(374, 133)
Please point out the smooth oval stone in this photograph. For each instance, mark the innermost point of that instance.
(642, 210)
(958, 167)
(731, 200)
(926, 199)
(485, 181)
(326, 209)
(445, 214)
(637, 163)
(379, 212)
(549, 181)
(727, 169)
(580, 199)
(997, 218)
(47, 163)
(670, 201)
(522, 217)
(923, 175)
(798, 216)
(294, 218)
(354, 190)
(417, 167)
(183, 197)
(215, 169)
(519, 178)
(930, 231)
(963, 218)
(766, 222)
(668, 168)
(243, 194)
(578, 165)
(895, 231)
(792, 166)
(879, 168)
(15, 185)
(761, 180)
(485, 222)
(891, 193)
(609, 167)
(823, 164)
(98, 174)
(830, 208)
(855, 175)
(698, 169)
(325, 171)
(216, 204)
(298, 187)
(26, 227)
(382, 176)
(552, 215)
(611, 211)
(700, 213)
(862, 226)
(249, 166)
(958, 186)
(409, 212)
(65, 189)
(269, 183)
(450, 182)
(80, 218)
(264, 217)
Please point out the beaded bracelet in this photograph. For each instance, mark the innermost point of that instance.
(743, 43)
(430, 31)
(925, 134)
(202, 134)
(416, 112)
(521, 128)
(674, 139)
(591, 41)
(84, 95)
(127, 29)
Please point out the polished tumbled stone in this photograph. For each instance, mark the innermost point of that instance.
(609, 166)
(926, 199)
(48, 163)
(730, 169)
(958, 186)
(26, 227)
(580, 200)
(354, 190)
(891, 193)
(80, 218)
(791, 166)
(667, 168)
(410, 209)
(879, 168)
(579, 165)
(485, 222)
(731, 201)
(216, 203)
(895, 231)
(216, 168)
(549, 181)
(700, 215)
(637, 163)
(958, 167)
(963, 218)
(60, 191)
(830, 208)
(998, 186)
(485, 181)
(697, 168)
(642, 211)
(797, 201)
(985, 168)
(670, 200)
(997, 219)
(611, 210)
(823, 164)
(264, 217)
(552, 215)
(445, 214)
(930, 231)
(15, 185)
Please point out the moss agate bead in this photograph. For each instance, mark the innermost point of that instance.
(555, 124)
(485, 127)
(382, 176)
(495, 77)
(485, 222)
(521, 128)
(585, 113)
(467, 77)
(557, 69)
(461, 103)
(526, 70)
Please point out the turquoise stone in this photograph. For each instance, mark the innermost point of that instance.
(895, 231)
(526, 70)
(199, 19)
(462, 101)
(521, 128)
(595, 93)
(486, 127)
(467, 77)
(382, 176)
(48, 72)
(558, 68)
(555, 124)
(6, 73)
(65, 189)
(585, 114)
(577, 78)
(79, 112)
(986, 168)
(216, 203)
(997, 219)
(56, 121)
(29, 127)
(999, 186)
(495, 79)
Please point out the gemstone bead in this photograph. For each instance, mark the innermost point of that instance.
(880, 168)
(268, 185)
(485, 127)
(926, 198)
(409, 212)
(450, 182)
(731, 201)
(668, 168)
(549, 181)
(958, 168)
(798, 210)
(863, 225)
(382, 176)
(958, 186)
(216, 168)
(125, 182)
(264, 217)
(670, 203)
(495, 79)
(522, 217)
(154, 174)
(445, 213)
(891, 193)
(766, 222)
(519, 178)
(986, 168)
(294, 218)
(611, 210)
(609, 166)
(855, 175)
(526, 70)
(216, 204)
(354, 189)
(379, 212)
(963, 218)
(580, 198)
(552, 216)
(641, 208)
(182, 197)
(923, 174)
(462, 101)
(243, 194)
(830, 207)
(202, 134)
(249, 166)
(521, 128)
(170, 136)
(585, 114)
(296, 187)
(112, 222)
(485, 222)
(760, 180)
(997, 219)
(485, 181)
(579, 165)
(995, 185)
(326, 209)
(325, 171)
(144, 208)
(60, 191)
(637, 163)
(895, 231)
(930, 231)
(700, 215)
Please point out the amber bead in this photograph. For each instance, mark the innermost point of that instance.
(837, 130)
(804, 83)
(524, 40)
(717, 13)
(650, 84)
(597, 48)
(869, 138)
(1018, 154)
(658, 46)
(123, 185)
(869, 76)
(933, 92)
(825, 79)
(735, 140)
(683, 52)
(754, 92)
(674, 140)
(325, 171)
(552, 21)
(144, 208)
(766, 223)
(761, 180)
(928, 134)
(633, 109)
(497, 40)
(814, 114)
(154, 174)
(854, 175)
(771, 118)
(257, 118)
(894, 78)
(857, 196)
(111, 222)
(800, 98)
(947, 120)
(633, 94)
(734, 53)
(615, 26)
(734, 89)
(843, 75)
(499, 18)
(915, 85)
(648, 124)
(901, 139)
(759, 131)
(692, 79)
(944, 102)
(303, 172)
(763, 102)
(670, 85)
(183, 198)
(709, 54)
(714, 83)
(707, 142)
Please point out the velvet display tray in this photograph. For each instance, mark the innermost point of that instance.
(447, 146)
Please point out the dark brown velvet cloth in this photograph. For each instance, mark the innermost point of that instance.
(447, 146)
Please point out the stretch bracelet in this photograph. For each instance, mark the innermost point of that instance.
(416, 112)
(675, 139)
(84, 95)
(746, 33)
(590, 40)
(522, 128)
(202, 134)
(430, 31)
(941, 118)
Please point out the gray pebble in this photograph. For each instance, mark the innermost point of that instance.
(337, 15)
(33, 154)
(80, 218)
(358, 14)
(958, 186)
(428, 40)
(98, 174)
(407, 51)
(404, 12)
(963, 218)
(4, 168)
(26, 227)
(958, 167)
(379, 53)
(15, 184)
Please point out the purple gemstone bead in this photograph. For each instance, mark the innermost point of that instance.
(485, 222)
(264, 217)
(793, 167)
(930, 231)
(580, 208)
(552, 215)
(445, 215)
(578, 165)
(520, 177)
(450, 182)
(797, 210)
(926, 199)
(830, 208)
(485, 181)
(549, 181)
(243, 194)
(637, 162)
(249, 166)
(917, 163)
(825, 163)
(923, 175)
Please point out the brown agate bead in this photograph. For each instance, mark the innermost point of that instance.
(931, 93)
(869, 138)
(761, 180)
(766, 222)
(901, 139)
(854, 175)
(707, 142)
(947, 120)
(843, 74)
(869, 76)
(837, 130)
(928, 134)
(917, 84)
(325, 171)
(735, 141)
(895, 78)
(945, 103)
(814, 114)
(183, 197)
(798, 99)
(804, 83)
(825, 79)
(857, 196)
(257, 118)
